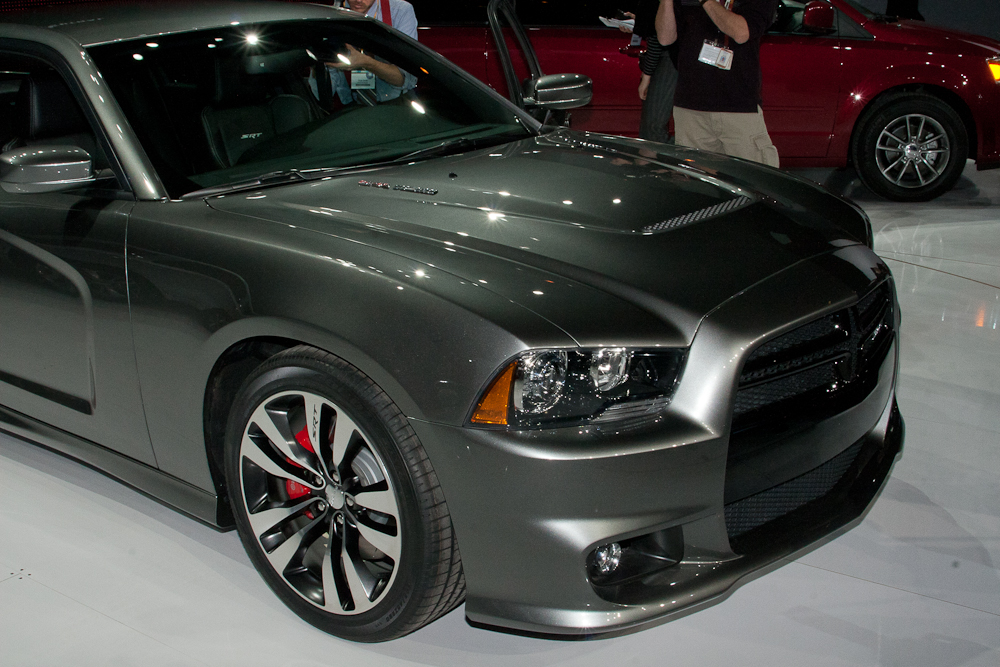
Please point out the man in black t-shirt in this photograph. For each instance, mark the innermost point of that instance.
(717, 106)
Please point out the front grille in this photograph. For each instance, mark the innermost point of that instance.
(744, 515)
(787, 386)
(823, 366)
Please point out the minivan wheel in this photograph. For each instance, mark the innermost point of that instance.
(336, 502)
(910, 147)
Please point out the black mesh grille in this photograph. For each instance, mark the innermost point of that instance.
(744, 515)
(793, 382)
(825, 359)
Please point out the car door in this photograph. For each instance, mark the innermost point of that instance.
(458, 30)
(564, 36)
(66, 353)
(567, 36)
(802, 73)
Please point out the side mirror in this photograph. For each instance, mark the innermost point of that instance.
(819, 17)
(45, 169)
(559, 91)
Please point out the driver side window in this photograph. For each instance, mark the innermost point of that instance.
(38, 109)
(788, 19)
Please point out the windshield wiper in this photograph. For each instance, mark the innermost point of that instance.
(297, 175)
(447, 146)
(456, 145)
(262, 181)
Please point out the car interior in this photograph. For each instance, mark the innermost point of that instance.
(214, 108)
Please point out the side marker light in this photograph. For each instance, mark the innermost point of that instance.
(492, 409)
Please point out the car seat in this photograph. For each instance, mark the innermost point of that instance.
(244, 112)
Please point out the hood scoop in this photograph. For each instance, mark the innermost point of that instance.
(699, 215)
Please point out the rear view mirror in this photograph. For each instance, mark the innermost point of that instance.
(41, 169)
(559, 91)
(819, 17)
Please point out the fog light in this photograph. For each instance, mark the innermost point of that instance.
(607, 558)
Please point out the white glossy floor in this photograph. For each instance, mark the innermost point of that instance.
(92, 573)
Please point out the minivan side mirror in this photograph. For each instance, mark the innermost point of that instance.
(559, 91)
(38, 169)
(819, 17)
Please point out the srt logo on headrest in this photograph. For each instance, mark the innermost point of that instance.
(254, 135)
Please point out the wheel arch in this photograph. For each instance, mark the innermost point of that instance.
(947, 96)
(237, 358)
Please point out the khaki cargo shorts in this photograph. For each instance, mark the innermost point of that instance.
(742, 135)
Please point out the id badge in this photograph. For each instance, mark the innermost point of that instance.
(716, 56)
(709, 54)
(725, 59)
(362, 80)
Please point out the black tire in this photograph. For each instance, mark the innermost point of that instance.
(363, 549)
(910, 147)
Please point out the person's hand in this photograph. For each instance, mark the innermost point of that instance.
(625, 28)
(356, 60)
(644, 86)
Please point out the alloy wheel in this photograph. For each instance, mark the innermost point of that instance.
(319, 502)
(913, 151)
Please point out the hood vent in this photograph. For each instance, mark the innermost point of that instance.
(698, 216)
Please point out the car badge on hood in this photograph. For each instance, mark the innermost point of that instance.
(398, 188)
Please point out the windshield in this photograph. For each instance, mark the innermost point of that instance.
(228, 105)
(861, 9)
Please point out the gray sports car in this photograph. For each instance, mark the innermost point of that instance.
(286, 270)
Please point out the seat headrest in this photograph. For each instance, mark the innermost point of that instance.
(47, 108)
(233, 87)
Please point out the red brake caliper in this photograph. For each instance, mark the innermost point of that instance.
(294, 489)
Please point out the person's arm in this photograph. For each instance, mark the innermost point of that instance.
(385, 71)
(644, 86)
(666, 23)
(648, 63)
(728, 22)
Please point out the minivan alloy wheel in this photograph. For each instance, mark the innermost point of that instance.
(910, 146)
(913, 151)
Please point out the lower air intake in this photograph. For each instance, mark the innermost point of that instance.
(744, 515)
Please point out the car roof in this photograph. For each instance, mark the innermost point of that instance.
(104, 22)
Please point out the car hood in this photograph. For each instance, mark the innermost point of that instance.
(919, 33)
(672, 231)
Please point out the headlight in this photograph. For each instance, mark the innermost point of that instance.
(556, 388)
(994, 65)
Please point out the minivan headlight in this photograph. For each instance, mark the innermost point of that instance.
(556, 388)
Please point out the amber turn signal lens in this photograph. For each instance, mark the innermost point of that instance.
(995, 71)
(492, 409)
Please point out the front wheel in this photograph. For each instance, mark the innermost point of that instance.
(335, 501)
(910, 147)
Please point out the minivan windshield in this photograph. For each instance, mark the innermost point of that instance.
(861, 9)
(230, 105)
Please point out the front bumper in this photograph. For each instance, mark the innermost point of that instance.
(987, 127)
(528, 508)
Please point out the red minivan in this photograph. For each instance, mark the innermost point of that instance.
(904, 102)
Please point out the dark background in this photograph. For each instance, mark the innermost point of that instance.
(976, 16)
